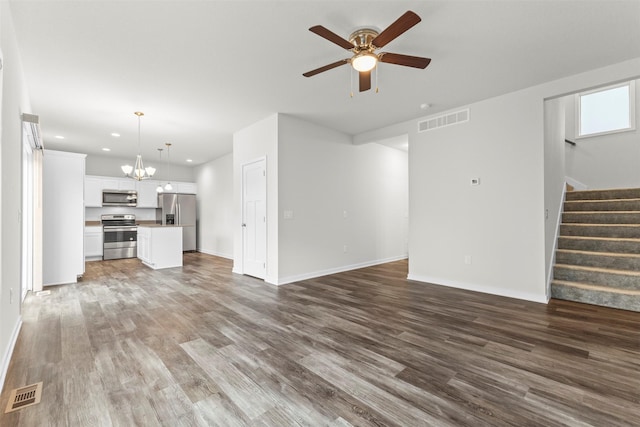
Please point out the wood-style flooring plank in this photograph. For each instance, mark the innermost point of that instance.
(201, 346)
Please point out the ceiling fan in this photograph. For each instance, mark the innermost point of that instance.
(364, 42)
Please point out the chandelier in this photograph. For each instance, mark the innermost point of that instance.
(138, 172)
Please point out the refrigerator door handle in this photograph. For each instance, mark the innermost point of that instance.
(178, 220)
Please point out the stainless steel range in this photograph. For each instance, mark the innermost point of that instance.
(120, 236)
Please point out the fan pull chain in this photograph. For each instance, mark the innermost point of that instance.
(377, 77)
(351, 77)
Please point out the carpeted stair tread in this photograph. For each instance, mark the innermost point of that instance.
(587, 286)
(601, 217)
(583, 224)
(605, 205)
(609, 239)
(600, 270)
(602, 212)
(611, 254)
(609, 194)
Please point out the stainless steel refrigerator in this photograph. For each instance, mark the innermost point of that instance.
(179, 209)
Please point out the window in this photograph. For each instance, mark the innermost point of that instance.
(607, 110)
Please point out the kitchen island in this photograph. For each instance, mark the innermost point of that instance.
(160, 246)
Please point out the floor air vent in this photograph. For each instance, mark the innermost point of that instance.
(444, 120)
(23, 397)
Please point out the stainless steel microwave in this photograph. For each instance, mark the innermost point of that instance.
(119, 198)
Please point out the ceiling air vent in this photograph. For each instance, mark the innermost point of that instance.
(448, 119)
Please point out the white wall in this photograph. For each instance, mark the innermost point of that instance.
(15, 101)
(498, 223)
(501, 222)
(554, 178)
(607, 161)
(251, 143)
(110, 166)
(322, 175)
(215, 206)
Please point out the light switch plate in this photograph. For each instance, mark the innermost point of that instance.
(288, 214)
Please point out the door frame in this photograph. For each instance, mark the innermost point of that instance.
(262, 159)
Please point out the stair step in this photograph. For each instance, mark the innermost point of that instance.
(602, 205)
(606, 277)
(618, 193)
(599, 244)
(597, 295)
(609, 260)
(601, 230)
(599, 217)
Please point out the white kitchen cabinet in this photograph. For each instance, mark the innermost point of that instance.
(93, 242)
(62, 217)
(160, 246)
(143, 244)
(109, 183)
(92, 191)
(94, 185)
(147, 194)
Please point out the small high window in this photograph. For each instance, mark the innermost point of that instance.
(606, 110)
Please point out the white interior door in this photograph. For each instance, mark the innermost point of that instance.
(254, 219)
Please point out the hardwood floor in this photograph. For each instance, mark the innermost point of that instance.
(200, 346)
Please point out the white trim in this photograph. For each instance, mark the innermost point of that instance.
(631, 85)
(214, 253)
(552, 261)
(7, 355)
(527, 296)
(312, 275)
(240, 268)
(575, 183)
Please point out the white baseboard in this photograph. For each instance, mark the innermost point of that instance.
(9, 352)
(312, 275)
(510, 293)
(214, 253)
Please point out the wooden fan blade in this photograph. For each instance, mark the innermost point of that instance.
(406, 60)
(402, 24)
(325, 68)
(331, 36)
(365, 80)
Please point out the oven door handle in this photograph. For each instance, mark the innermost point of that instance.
(107, 229)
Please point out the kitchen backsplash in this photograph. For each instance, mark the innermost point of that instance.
(142, 214)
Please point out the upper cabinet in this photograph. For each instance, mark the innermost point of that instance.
(147, 194)
(109, 183)
(92, 191)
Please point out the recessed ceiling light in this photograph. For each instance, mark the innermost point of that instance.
(115, 134)
(106, 149)
(189, 160)
(59, 137)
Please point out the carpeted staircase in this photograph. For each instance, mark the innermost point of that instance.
(598, 256)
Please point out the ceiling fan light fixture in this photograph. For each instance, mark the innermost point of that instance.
(364, 61)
